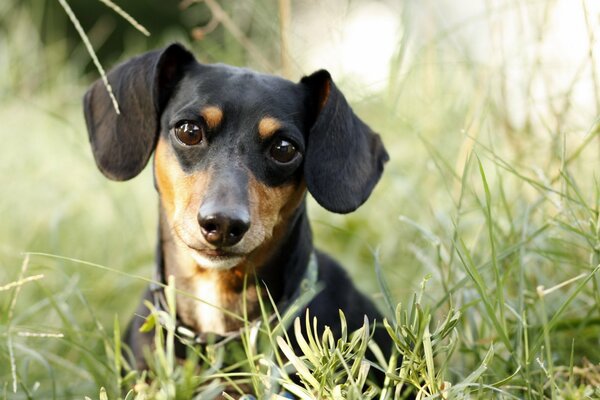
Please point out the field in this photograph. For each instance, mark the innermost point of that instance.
(481, 243)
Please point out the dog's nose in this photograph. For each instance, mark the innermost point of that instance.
(222, 230)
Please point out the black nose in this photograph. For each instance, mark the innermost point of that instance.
(222, 230)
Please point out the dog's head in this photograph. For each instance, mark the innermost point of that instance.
(235, 150)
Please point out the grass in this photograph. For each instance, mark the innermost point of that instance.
(487, 265)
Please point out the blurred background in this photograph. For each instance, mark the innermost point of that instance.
(510, 84)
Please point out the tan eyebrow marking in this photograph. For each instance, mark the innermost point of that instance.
(268, 126)
(213, 116)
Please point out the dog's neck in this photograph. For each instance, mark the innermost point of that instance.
(279, 266)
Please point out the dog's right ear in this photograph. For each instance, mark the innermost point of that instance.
(122, 144)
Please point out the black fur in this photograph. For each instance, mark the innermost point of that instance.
(122, 144)
(342, 160)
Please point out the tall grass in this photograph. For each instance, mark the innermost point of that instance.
(481, 243)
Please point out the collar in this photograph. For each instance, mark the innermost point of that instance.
(307, 285)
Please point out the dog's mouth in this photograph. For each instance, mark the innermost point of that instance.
(214, 258)
(218, 259)
(218, 253)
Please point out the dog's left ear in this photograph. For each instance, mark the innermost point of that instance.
(122, 143)
(344, 158)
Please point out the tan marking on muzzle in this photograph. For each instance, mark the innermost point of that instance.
(268, 126)
(213, 116)
(180, 193)
(271, 208)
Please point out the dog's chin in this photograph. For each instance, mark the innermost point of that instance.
(216, 262)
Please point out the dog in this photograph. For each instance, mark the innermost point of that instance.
(235, 153)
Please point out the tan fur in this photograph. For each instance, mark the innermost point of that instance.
(272, 207)
(268, 126)
(213, 116)
(181, 195)
(324, 95)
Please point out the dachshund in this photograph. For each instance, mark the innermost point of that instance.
(235, 154)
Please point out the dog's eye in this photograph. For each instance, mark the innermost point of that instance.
(188, 133)
(283, 151)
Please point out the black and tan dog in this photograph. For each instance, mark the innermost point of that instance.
(235, 153)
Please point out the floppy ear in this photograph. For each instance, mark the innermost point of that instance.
(122, 144)
(344, 158)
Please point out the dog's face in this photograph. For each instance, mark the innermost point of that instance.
(235, 151)
(227, 162)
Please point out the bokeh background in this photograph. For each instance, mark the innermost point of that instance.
(512, 85)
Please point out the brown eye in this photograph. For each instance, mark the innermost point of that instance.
(188, 133)
(283, 151)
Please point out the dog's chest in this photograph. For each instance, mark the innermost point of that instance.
(216, 306)
(207, 311)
